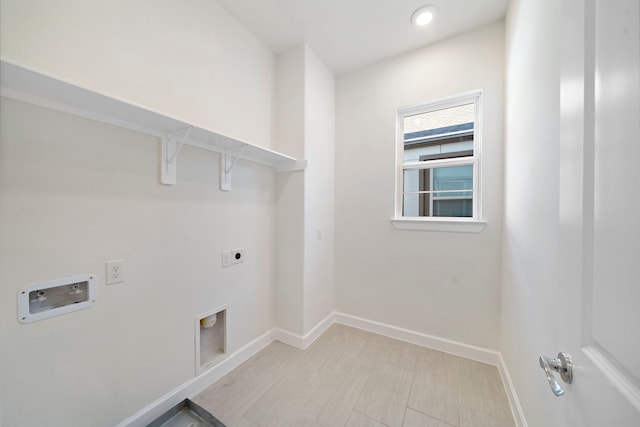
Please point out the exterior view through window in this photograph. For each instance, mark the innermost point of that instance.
(440, 154)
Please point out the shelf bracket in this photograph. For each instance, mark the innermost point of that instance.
(171, 146)
(226, 164)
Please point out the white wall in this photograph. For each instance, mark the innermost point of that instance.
(530, 316)
(305, 118)
(443, 284)
(75, 193)
(319, 195)
(187, 59)
(289, 137)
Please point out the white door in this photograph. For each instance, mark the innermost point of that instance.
(600, 212)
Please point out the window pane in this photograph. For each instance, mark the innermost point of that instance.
(414, 204)
(412, 180)
(440, 119)
(451, 179)
(445, 133)
(443, 191)
(455, 208)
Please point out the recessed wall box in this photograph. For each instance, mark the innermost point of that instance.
(211, 338)
(47, 299)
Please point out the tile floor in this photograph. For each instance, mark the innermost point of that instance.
(352, 378)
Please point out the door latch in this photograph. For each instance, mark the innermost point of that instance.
(561, 364)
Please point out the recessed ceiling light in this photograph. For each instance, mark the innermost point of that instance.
(423, 16)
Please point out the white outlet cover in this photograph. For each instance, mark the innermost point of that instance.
(237, 255)
(115, 271)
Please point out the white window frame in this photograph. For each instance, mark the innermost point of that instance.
(473, 224)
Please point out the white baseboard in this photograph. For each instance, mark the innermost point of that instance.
(197, 384)
(304, 341)
(289, 338)
(512, 395)
(201, 382)
(467, 351)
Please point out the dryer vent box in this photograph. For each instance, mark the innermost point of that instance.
(47, 299)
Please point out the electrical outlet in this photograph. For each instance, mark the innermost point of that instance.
(237, 256)
(115, 271)
(226, 258)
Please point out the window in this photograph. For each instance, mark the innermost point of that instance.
(438, 166)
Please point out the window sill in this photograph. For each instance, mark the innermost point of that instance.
(450, 225)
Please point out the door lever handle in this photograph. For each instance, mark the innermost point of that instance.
(562, 365)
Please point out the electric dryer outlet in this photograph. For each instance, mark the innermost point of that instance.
(237, 256)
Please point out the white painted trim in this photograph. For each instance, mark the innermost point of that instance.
(289, 338)
(475, 97)
(512, 395)
(303, 341)
(467, 351)
(615, 377)
(208, 377)
(441, 103)
(201, 382)
(446, 225)
(197, 384)
(318, 330)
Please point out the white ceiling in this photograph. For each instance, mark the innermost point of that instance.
(348, 34)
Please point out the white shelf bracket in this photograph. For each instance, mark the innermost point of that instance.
(171, 146)
(226, 164)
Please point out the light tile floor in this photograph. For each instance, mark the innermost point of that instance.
(352, 378)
